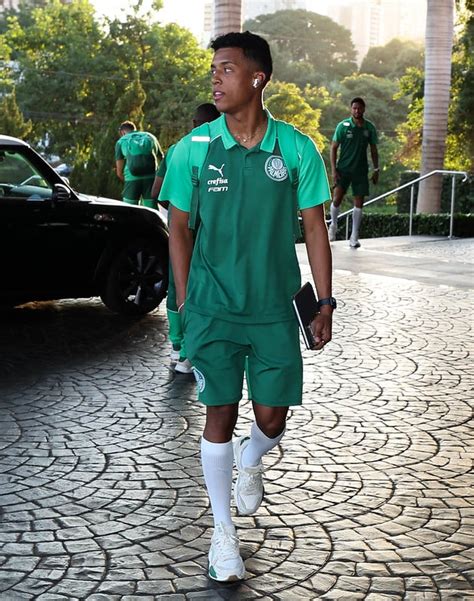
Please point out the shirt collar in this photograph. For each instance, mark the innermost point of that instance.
(354, 124)
(268, 142)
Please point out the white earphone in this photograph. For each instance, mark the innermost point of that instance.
(256, 82)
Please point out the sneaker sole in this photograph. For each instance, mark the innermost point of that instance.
(228, 578)
(182, 370)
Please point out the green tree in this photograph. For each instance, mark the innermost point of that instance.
(284, 101)
(58, 80)
(307, 47)
(97, 175)
(393, 59)
(12, 122)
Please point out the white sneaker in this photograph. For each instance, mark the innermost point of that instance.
(183, 366)
(354, 243)
(332, 230)
(225, 563)
(174, 354)
(248, 488)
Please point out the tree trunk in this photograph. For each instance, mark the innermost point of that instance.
(438, 48)
(227, 16)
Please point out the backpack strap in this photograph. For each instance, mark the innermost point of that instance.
(200, 142)
(288, 143)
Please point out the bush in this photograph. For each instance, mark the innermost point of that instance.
(378, 225)
(464, 199)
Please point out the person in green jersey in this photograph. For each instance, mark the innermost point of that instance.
(352, 136)
(204, 113)
(235, 282)
(136, 159)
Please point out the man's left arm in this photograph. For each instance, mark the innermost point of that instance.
(320, 260)
(375, 161)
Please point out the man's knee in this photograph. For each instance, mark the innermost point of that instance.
(220, 422)
(337, 195)
(271, 420)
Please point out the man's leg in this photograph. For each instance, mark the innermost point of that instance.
(356, 221)
(337, 197)
(147, 200)
(218, 357)
(274, 374)
(131, 192)
(225, 562)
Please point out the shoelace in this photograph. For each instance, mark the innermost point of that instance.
(227, 544)
(251, 482)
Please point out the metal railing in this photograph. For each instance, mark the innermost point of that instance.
(412, 198)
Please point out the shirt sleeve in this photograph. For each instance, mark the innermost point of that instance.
(313, 186)
(177, 186)
(337, 137)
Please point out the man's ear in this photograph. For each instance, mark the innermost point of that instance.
(259, 79)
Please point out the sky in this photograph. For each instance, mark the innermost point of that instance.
(187, 13)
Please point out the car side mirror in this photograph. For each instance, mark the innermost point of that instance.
(61, 193)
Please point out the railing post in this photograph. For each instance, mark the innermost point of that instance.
(412, 198)
(347, 226)
(451, 216)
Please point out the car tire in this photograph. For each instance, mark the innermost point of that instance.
(136, 280)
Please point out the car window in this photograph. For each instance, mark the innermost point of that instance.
(20, 179)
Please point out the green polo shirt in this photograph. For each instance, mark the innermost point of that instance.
(353, 142)
(244, 267)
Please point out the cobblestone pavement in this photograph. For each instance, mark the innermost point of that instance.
(370, 495)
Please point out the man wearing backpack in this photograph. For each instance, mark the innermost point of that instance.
(235, 284)
(136, 160)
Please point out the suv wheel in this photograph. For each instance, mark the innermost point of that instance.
(137, 278)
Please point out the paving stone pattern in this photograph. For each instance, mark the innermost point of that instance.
(370, 495)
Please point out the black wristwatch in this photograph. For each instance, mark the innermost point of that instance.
(327, 301)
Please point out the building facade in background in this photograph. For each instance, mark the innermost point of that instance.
(376, 22)
(254, 8)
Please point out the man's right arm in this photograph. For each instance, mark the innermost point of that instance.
(119, 165)
(334, 172)
(181, 249)
(177, 188)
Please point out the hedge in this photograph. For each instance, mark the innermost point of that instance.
(378, 225)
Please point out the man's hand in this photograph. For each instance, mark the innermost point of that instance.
(322, 329)
(375, 177)
(336, 176)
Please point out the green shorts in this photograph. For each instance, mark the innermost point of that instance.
(137, 189)
(218, 350)
(359, 183)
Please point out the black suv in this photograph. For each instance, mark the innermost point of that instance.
(56, 243)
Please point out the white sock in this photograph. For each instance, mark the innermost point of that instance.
(259, 445)
(334, 213)
(356, 219)
(217, 461)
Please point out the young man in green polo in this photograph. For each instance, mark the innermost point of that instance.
(235, 284)
(136, 158)
(352, 136)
